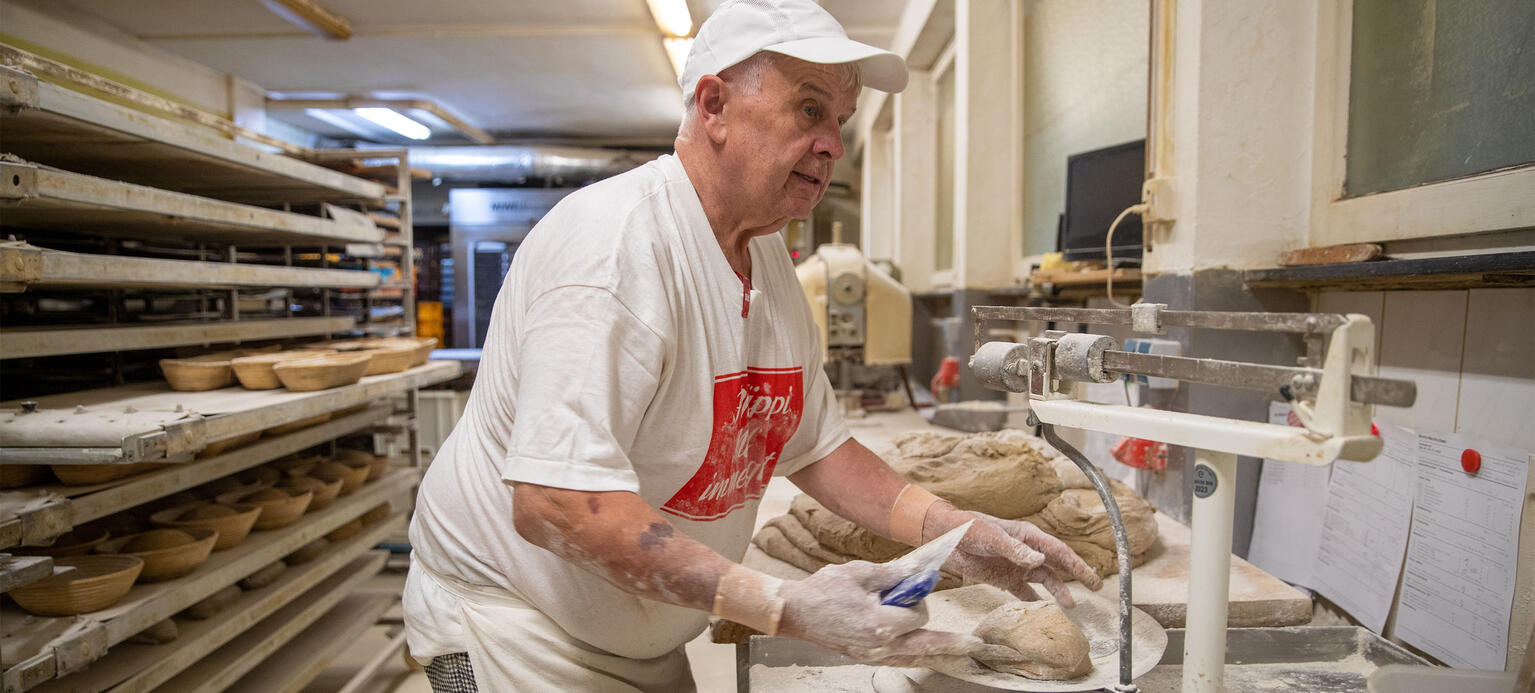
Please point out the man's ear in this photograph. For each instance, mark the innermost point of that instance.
(709, 98)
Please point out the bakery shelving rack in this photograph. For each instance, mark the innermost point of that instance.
(139, 227)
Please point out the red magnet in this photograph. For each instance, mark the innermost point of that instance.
(1374, 430)
(1470, 460)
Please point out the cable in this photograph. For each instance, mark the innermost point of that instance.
(1108, 250)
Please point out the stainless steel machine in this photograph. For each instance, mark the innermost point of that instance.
(485, 227)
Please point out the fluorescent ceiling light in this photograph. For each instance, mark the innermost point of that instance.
(672, 16)
(677, 49)
(389, 118)
(336, 121)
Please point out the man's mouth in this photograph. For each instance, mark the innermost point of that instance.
(808, 178)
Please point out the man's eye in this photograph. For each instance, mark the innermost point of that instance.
(812, 111)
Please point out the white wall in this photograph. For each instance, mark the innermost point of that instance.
(1084, 87)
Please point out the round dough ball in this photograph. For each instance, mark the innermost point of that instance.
(1054, 648)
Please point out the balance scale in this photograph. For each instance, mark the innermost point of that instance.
(1330, 391)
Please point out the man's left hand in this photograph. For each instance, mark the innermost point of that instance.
(1010, 554)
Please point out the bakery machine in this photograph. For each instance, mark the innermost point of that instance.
(864, 317)
(1331, 392)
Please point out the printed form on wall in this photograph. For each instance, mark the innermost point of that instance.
(1287, 522)
(1364, 530)
(1462, 555)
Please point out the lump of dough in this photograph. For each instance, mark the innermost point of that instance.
(1053, 647)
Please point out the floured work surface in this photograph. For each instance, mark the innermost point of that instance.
(1335, 659)
(1161, 587)
(959, 610)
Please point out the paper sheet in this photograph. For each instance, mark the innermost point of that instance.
(1364, 528)
(1287, 521)
(1462, 555)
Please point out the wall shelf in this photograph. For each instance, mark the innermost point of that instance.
(24, 267)
(43, 197)
(1493, 270)
(47, 122)
(89, 636)
(28, 342)
(149, 422)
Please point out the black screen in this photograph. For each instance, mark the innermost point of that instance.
(1099, 185)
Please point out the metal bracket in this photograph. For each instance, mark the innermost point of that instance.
(1146, 318)
(20, 264)
(18, 89)
(17, 181)
(34, 520)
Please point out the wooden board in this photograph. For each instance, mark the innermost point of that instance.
(50, 198)
(59, 127)
(1160, 586)
(38, 268)
(293, 666)
(20, 342)
(1493, 270)
(1098, 276)
(150, 421)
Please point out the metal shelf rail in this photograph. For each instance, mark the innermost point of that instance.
(38, 513)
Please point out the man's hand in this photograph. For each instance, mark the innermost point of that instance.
(838, 608)
(1010, 554)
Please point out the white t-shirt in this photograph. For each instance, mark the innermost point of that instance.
(618, 359)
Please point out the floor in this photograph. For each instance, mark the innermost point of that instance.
(713, 665)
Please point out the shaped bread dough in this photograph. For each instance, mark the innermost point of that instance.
(1054, 648)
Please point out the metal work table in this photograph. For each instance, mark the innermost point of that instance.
(1331, 659)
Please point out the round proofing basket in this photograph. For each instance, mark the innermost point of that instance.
(96, 583)
(346, 531)
(322, 372)
(389, 359)
(18, 475)
(91, 474)
(351, 477)
(170, 562)
(377, 464)
(255, 372)
(325, 492)
(376, 514)
(198, 373)
(278, 512)
(76, 542)
(232, 529)
(219, 447)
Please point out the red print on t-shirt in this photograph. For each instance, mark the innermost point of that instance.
(755, 413)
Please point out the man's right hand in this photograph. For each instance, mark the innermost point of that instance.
(838, 608)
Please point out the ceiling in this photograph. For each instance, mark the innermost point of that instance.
(573, 70)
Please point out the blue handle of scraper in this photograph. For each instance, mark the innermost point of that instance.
(910, 591)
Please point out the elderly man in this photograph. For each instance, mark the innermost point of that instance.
(651, 364)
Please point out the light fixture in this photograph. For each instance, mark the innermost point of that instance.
(677, 49)
(422, 109)
(311, 17)
(335, 121)
(392, 119)
(672, 17)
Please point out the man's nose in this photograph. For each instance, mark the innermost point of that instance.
(828, 143)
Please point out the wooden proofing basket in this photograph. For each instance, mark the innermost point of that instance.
(96, 583)
(325, 492)
(169, 562)
(76, 542)
(389, 359)
(198, 373)
(232, 529)
(255, 372)
(322, 372)
(279, 512)
(219, 447)
(351, 477)
(377, 464)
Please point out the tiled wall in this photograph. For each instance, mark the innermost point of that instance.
(1472, 353)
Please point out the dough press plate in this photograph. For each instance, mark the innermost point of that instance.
(961, 609)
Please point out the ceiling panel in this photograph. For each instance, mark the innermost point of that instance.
(572, 68)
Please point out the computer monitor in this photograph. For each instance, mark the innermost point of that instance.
(1099, 185)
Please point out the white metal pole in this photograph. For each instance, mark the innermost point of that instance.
(1204, 648)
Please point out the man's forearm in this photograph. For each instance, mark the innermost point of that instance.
(619, 538)
(856, 484)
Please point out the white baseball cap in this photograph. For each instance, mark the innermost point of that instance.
(796, 28)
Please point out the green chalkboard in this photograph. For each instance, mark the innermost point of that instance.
(1439, 89)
